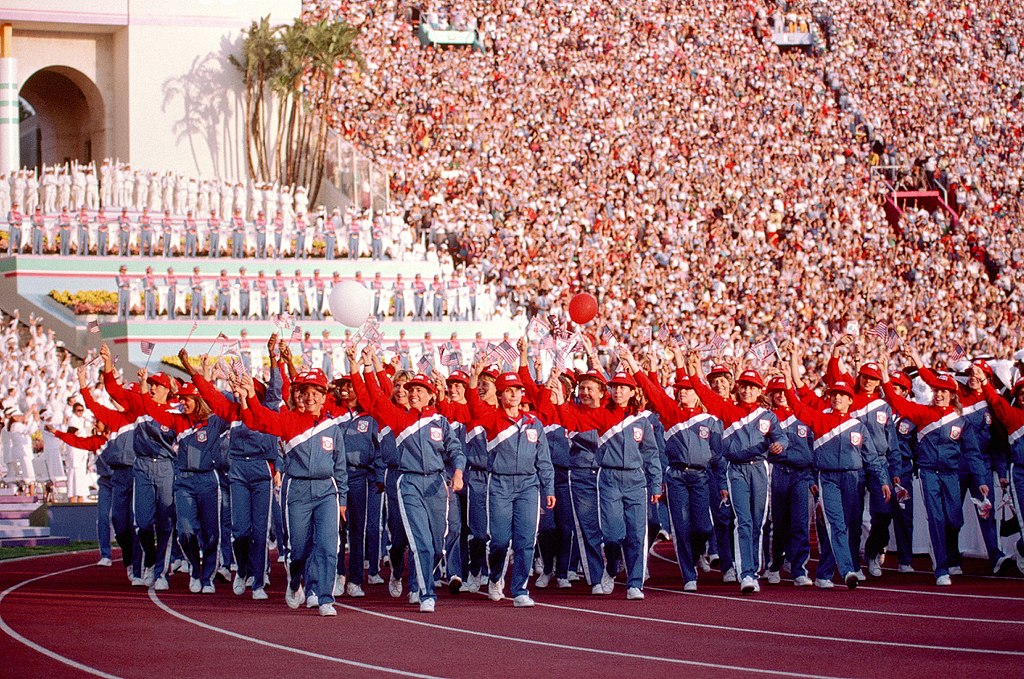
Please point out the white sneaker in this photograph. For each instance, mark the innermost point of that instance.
(339, 585)
(467, 584)
(352, 589)
(573, 576)
(312, 601)
(851, 580)
(147, 576)
(374, 580)
(259, 594)
(729, 575)
(414, 597)
(690, 586)
(956, 570)
(427, 605)
(137, 582)
(774, 577)
(803, 581)
(209, 589)
(704, 564)
(250, 581)
(538, 565)
(607, 582)
(905, 568)
(327, 611)
(875, 567)
(224, 573)
(634, 594)
(999, 564)
(184, 566)
(294, 598)
(748, 585)
(598, 589)
(104, 562)
(238, 586)
(859, 574)
(563, 583)
(523, 601)
(494, 592)
(821, 583)
(542, 581)
(395, 588)
(944, 581)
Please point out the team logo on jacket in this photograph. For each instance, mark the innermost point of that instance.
(362, 427)
(327, 443)
(164, 428)
(436, 434)
(881, 417)
(638, 434)
(856, 438)
(801, 431)
(904, 427)
(531, 435)
(954, 433)
(201, 437)
(988, 417)
(764, 426)
(704, 432)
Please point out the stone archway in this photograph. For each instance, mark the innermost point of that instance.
(68, 124)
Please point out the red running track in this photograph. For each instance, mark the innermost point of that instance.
(63, 616)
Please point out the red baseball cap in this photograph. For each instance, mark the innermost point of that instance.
(160, 378)
(594, 376)
(870, 369)
(751, 377)
(420, 380)
(942, 381)
(188, 389)
(508, 381)
(842, 387)
(491, 371)
(313, 378)
(624, 379)
(719, 369)
(899, 377)
(458, 376)
(777, 383)
(985, 367)
(683, 382)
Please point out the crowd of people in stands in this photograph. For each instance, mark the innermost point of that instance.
(673, 157)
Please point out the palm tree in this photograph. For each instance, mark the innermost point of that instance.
(289, 74)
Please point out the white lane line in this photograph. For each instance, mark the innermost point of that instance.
(269, 644)
(36, 647)
(833, 609)
(905, 591)
(772, 633)
(585, 649)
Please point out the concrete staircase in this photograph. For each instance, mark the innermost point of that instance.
(15, 523)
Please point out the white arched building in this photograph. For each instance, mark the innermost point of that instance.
(147, 81)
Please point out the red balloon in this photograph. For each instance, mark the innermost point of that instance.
(582, 308)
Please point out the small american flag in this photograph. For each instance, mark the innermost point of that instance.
(663, 333)
(606, 333)
(424, 365)
(93, 326)
(717, 343)
(221, 337)
(506, 352)
(296, 334)
(450, 357)
(234, 349)
(238, 368)
(558, 361)
(195, 325)
(148, 347)
(547, 343)
(537, 328)
(763, 350)
(880, 330)
(893, 339)
(956, 351)
(787, 325)
(392, 347)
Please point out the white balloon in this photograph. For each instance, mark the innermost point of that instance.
(350, 303)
